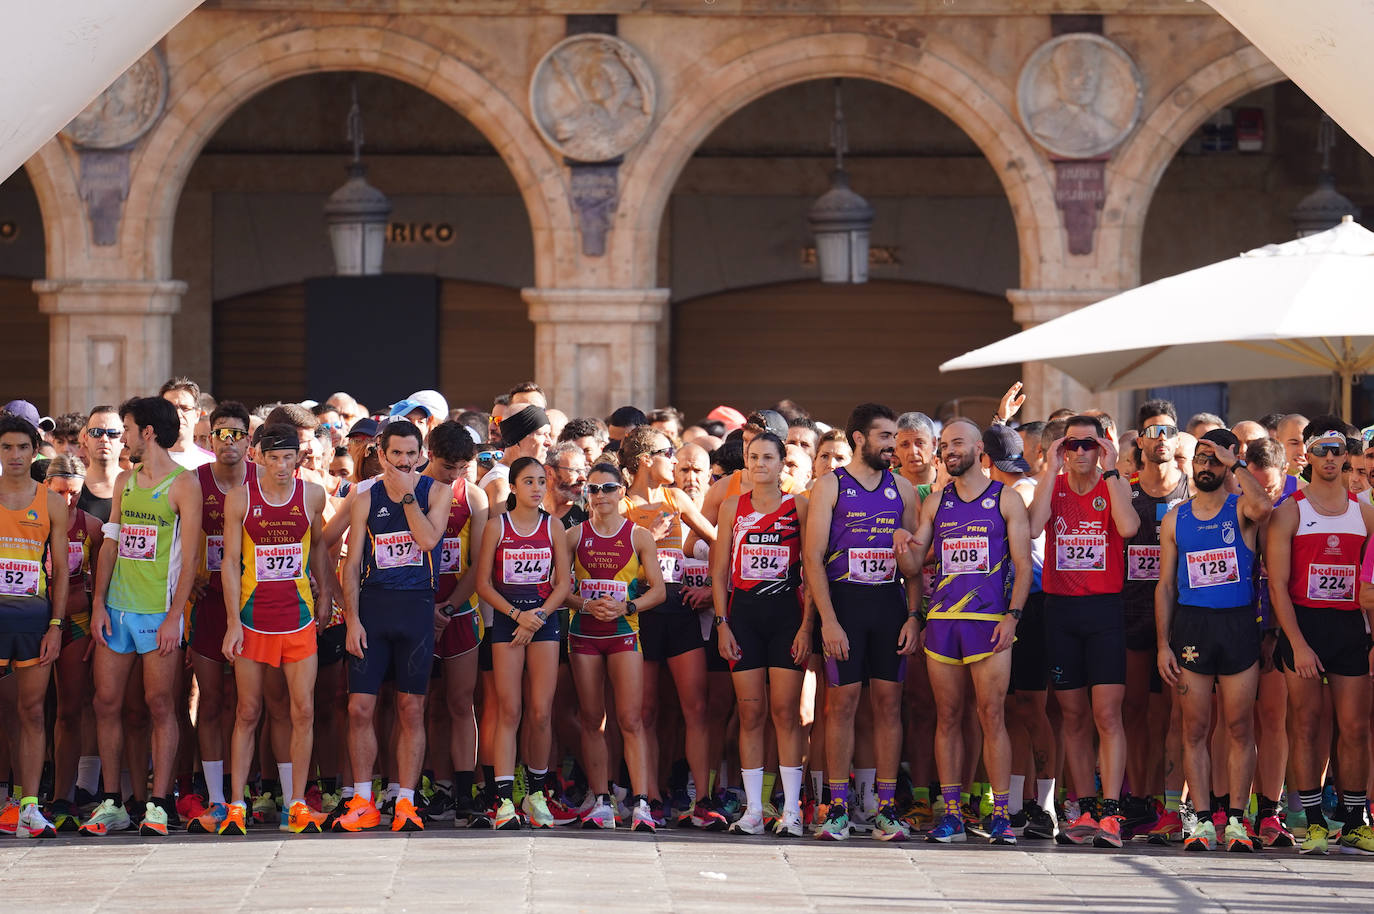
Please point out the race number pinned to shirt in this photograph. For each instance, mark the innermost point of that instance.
(451, 555)
(763, 562)
(76, 554)
(696, 573)
(19, 578)
(138, 542)
(1331, 582)
(1212, 567)
(670, 563)
(279, 563)
(214, 553)
(872, 566)
(1142, 563)
(526, 566)
(1080, 553)
(964, 555)
(395, 550)
(600, 588)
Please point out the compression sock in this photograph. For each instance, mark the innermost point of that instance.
(1017, 797)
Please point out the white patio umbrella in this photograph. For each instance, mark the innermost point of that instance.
(1280, 311)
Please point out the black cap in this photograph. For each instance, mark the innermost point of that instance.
(772, 422)
(1222, 438)
(365, 426)
(1004, 448)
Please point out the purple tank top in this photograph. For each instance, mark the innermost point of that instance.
(973, 568)
(861, 528)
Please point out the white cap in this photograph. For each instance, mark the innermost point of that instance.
(433, 401)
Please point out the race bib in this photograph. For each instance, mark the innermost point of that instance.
(451, 555)
(763, 563)
(696, 573)
(1080, 553)
(872, 566)
(1213, 567)
(597, 588)
(19, 578)
(138, 542)
(75, 556)
(395, 550)
(1331, 582)
(214, 553)
(964, 555)
(526, 566)
(670, 563)
(279, 563)
(929, 580)
(1142, 563)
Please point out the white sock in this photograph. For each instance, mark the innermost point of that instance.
(345, 794)
(817, 784)
(88, 773)
(791, 788)
(405, 793)
(864, 779)
(1016, 798)
(214, 779)
(1044, 793)
(753, 788)
(363, 789)
(284, 775)
(393, 790)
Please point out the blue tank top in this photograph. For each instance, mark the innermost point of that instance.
(861, 528)
(1216, 570)
(390, 556)
(973, 568)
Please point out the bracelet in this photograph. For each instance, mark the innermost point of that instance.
(515, 616)
(52, 622)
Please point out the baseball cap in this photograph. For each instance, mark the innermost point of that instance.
(431, 400)
(367, 427)
(1223, 438)
(407, 406)
(29, 413)
(1004, 448)
(732, 417)
(772, 421)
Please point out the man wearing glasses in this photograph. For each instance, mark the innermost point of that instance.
(566, 499)
(229, 471)
(184, 394)
(101, 443)
(1315, 543)
(1086, 517)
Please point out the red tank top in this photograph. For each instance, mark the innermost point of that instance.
(212, 519)
(766, 548)
(78, 547)
(276, 563)
(1084, 553)
(455, 556)
(1326, 556)
(522, 569)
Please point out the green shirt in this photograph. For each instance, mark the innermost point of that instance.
(149, 560)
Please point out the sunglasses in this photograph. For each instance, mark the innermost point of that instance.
(1327, 449)
(490, 456)
(1205, 460)
(114, 434)
(1080, 444)
(607, 488)
(578, 471)
(229, 435)
(1162, 431)
(332, 424)
(670, 452)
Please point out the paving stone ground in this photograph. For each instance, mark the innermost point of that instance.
(577, 871)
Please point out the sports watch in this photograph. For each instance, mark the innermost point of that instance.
(408, 499)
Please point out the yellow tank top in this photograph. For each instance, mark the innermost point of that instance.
(23, 550)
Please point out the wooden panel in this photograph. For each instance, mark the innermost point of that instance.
(24, 369)
(486, 342)
(831, 347)
(259, 346)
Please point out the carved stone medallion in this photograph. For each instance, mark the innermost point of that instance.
(127, 109)
(1079, 95)
(592, 97)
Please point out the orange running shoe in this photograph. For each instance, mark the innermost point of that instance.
(362, 814)
(405, 818)
(234, 820)
(1109, 831)
(303, 820)
(9, 817)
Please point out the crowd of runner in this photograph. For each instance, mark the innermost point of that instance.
(313, 618)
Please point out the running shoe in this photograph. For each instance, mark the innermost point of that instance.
(427, 789)
(107, 817)
(1138, 814)
(643, 817)
(601, 815)
(1203, 838)
(888, 826)
(1078, 831)
(190, 806)
(1071, 810)
(1238, 839)
(86, 802)
(154, 820)
(329, 800)
(466, 810)
(730, 806)
(789, 825)
(860, 822)
(658, 812)
(33, 824)
(284, 819)
(1109, 831)
(386, 810)
(1296, 821)
(301, 819)
(706, 818)
(1358, 840)
(972, 823)
(234, 821)
(562, 813)
(808, 810)
(751, 823)
(439, 808)
(405, 817)
(536, 809)
(265, 811)
(1169, 828)
(918, 816)
(1273, 834)
(949, 830)
(361, 815)
(484, 810)
(506, 818)
(207, 823)
(63, 816)
(836, 824)
(9, 817)
(770, 814)
(1316, 840)
(1001, 832)
(314, 798)
(1040, 823)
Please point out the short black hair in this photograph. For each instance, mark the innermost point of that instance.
(68, 425)
(1323, 424)
(1270, 421)
(401, 428)
(1081, 419)
(155, 413)
(451, 442)
(181, 383)
(730, 455)
(863, 417)
(231, 409)
(1151, 408)
(1052, 432)
(102, 408)
(805, 422)
(1031, 429)
(628, 417)
(581, 427)
(9, 422)
(1266, 454)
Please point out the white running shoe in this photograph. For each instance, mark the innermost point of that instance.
(751, 823)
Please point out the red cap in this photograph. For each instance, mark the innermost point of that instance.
(732, 417)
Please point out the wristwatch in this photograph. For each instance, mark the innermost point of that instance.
(539, 614)
(630, 607)
(1015, 614)
(720, 620)
(1240, 464)
(408, 499)
(449, 611)
(1112, 474)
